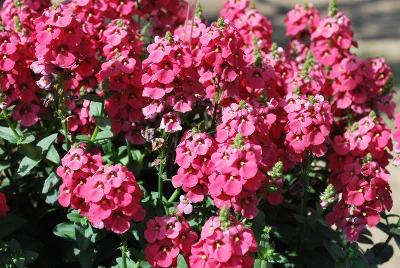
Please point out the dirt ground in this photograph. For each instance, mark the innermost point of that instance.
(376, 24)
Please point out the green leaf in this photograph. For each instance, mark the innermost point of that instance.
(103, 123)
(103, 135)
(26, 165)
(26, 140)
(53, 156)
(395, 231)
(47, 142)
(365, 240)
(52, 196)
(182, 262)
(261, 264)
(65, 230)
(4, 165)
(51, 182)
(137, 156)
(383, 228)
(7, 134)
(74, 216)
(86, 257)
(10, 224)
(129, 263)
(95, 108)
(379, 253)
(82, 138)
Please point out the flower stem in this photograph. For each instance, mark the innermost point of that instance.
(66, 132)
(97, 129)
(160, 176)
(11, 126)
(94, 134)
(174, 196)
(214, 117)
(123, 250)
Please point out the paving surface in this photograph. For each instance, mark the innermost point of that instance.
(376, 24)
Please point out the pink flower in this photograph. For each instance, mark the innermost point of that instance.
(162, 254)
(171, 123)
(184, 205)
(155, 230)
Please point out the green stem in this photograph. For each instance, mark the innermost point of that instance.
(94, 134)
(123, 250)
(11, 126)
(97, 129)
(174, 195)
(214, 118)
(160, 176)
(66, 132)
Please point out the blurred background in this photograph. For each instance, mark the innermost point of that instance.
(376, 24)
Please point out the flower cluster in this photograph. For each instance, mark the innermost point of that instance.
(359, 174)
(308, 126)
(193, 155)
(223, 245)
(168, 237)
(121, 71)
(17, 82)
(332, 39)
(250, 23)
(20, 15)
(108, 196)
(220, 62)
(230, 167)
(301, 21)
(170, 82)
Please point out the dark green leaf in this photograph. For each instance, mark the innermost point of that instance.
(103, 123)
(53, 156)
(51, 181)
(26, 165)
(26, 140)
(7, 134)
(47, 142)
(380, 253)
(365, 240)
(383, 228)
(65, 230)
(105, 134)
